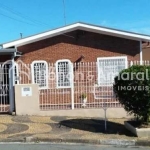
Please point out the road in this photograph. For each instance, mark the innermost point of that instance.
(45, 146)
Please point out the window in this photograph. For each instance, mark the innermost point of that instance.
(64, 73)
(40, 73)
(108, 68)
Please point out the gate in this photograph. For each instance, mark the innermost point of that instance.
(4, 88)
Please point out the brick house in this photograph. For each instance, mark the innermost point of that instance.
(78, 43)
(79, 39)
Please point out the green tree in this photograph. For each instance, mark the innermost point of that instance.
(132, 89)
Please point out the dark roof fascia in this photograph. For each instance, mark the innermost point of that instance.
(8, 51)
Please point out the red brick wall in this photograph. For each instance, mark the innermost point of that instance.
(74, 44)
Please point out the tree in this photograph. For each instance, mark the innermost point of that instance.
(132, 89)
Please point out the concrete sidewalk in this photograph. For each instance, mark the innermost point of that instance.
(66, 129)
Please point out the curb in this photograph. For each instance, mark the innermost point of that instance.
(114, 142)
(142, 143)
(117, 142)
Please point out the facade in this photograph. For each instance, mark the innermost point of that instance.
(74, 45)
(81, 50)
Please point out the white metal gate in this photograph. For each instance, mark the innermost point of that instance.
(4, 88)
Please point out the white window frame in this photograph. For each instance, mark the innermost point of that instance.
(32, 71)
(70, 72)
(109, 58)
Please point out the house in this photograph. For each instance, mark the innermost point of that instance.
(146, 50)
(85, 50)
(79, 39)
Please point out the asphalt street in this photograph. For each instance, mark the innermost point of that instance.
(47, 146)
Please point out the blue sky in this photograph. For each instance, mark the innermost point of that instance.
(34, 16)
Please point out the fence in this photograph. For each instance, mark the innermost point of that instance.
(4, 87)
(85, 81)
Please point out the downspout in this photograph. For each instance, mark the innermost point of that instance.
(141, 53)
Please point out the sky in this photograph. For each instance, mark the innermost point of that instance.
(30, 17)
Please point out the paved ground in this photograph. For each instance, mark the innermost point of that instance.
(64, 147)
(16, 128)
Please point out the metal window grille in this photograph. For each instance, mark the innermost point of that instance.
(63, 74)
(40, 73)
(108, 68)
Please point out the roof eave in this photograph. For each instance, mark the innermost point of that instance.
(81, 26)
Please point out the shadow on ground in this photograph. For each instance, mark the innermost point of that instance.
(97, 126)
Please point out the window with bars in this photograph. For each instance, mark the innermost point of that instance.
(108, 68)
(64, 73)
(40, 73)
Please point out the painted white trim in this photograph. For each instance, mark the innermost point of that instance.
(70, 71)
(72, 87)
(141, 53)
(40, 36)
(77, 26)
(109, 58)
(32, 72)
(114, 32)
(114, 57)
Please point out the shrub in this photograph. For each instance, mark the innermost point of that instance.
(132, 89)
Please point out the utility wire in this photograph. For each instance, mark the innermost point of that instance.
(22, 15)
(15, 19)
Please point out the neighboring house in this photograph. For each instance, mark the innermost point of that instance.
(76, 43)
(146, 51)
